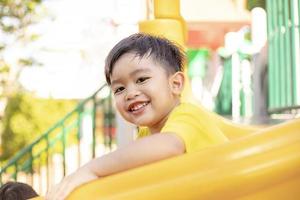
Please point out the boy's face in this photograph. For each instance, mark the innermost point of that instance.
(144, 92)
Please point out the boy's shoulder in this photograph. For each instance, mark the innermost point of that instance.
(185, 111)
(186, 107)
(189, 113)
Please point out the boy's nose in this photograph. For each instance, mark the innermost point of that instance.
(131, 94)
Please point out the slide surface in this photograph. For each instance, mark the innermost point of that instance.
(263, 165)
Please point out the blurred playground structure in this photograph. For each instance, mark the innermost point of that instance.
(246, 70)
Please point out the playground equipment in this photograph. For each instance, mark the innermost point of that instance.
(263, 165)
(169, 23)
(82, 129)
(257, 163)
(284, 50)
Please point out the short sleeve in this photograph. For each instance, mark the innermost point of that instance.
(143, 131)
(195, 130)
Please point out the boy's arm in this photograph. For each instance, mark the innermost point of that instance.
(140, 152)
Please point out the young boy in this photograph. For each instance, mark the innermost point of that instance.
(16, 191)
(146, 78)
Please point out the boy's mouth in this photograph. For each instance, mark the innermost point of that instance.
(135, 107)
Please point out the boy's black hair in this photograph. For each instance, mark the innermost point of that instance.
(160, 49)
(16, 191)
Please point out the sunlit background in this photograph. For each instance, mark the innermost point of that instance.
(73, 40)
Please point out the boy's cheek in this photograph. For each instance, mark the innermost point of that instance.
(119, 106)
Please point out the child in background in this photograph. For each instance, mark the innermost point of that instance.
(16, 191)
(146, 76)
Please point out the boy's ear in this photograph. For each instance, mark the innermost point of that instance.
(177, 82)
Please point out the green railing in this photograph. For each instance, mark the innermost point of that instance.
(93, 118)
(284, 55)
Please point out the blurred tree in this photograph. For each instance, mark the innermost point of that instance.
(15, 17)
(256, 3)
(26, 117)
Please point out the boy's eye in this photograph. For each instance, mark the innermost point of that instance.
(118, 90)
(142, 79)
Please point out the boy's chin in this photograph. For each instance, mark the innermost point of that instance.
(144, 121)
(140, 123)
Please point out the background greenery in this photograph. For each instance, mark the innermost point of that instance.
(19, 117)
(27, 117)
(256, 3)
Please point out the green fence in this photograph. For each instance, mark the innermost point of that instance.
(93, 117)
(284, 55)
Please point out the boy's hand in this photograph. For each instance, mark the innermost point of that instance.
(69, 183)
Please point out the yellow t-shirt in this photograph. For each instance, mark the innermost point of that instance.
(197, 131)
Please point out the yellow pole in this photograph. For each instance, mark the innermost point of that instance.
(169, 23)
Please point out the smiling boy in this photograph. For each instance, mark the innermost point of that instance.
(145, 75)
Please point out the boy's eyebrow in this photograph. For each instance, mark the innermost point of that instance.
(131, 74)
(139, 71)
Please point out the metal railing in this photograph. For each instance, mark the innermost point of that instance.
(284, 55)
(75, 135)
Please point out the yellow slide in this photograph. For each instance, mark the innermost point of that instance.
(263, 165)
(230, 129)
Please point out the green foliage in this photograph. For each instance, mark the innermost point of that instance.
(26, 118)
(4, 68)
(15, 18)
(256, 3)
(16, 14)
(27, 62)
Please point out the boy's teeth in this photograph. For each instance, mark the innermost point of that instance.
(138, 106)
